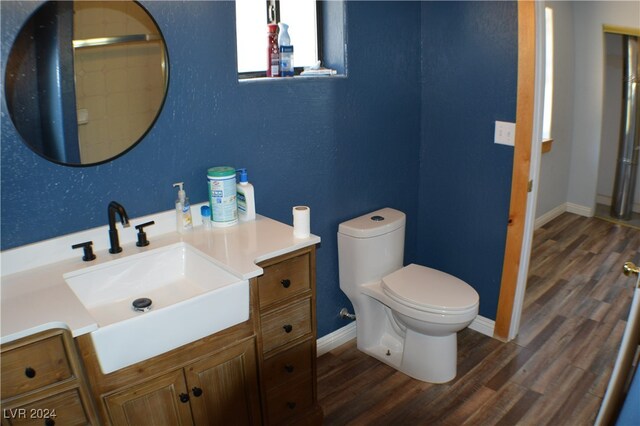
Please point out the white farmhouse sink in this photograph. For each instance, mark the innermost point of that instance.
(192, 297)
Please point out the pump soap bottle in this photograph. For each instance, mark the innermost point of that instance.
(245, 197)
(184, 222)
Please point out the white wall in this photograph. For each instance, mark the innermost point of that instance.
(589, 17)
(554, 165)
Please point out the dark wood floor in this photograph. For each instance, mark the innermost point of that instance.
(555, 372)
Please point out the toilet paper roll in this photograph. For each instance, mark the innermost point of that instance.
(301, 222)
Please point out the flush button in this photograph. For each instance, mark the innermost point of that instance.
(377, 218)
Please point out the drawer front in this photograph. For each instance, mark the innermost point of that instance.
(284, 279)
(63, 409)
(284, 325)
(34, 366)
(285, 403)
(290, 365)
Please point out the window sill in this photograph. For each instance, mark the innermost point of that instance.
(255, 80)
(546, 145)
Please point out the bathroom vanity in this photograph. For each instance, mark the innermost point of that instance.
(259, 371)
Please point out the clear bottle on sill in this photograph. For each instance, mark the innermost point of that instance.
(286, 51)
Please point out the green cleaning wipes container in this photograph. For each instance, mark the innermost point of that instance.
(222, 196)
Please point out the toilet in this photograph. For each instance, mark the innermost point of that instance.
(407, 317)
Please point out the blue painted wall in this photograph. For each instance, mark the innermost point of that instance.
(469, 73)
(342, 146)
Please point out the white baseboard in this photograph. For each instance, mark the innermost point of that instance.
(343, 335)
(335, 339)
(483, 325)
(580, 210)
(550, 215)
(565, 207)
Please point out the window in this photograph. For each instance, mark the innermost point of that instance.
(548, 76)
(252, 17)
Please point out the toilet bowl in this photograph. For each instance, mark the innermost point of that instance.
(407, 317)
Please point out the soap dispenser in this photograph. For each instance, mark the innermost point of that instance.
(245, 197)
(184, 222)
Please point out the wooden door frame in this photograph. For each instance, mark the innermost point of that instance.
(518, 241)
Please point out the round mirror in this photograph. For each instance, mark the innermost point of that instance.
(85, 80)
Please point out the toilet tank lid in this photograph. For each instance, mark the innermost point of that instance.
(373, 224)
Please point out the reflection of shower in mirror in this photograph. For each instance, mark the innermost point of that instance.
(86, 80)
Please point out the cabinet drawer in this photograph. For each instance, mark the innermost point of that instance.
(290, 365)
(34, 366)
(286, 324)
(287, 402)
(284, 279)
(63, 409)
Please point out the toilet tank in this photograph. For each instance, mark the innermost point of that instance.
(370, 247)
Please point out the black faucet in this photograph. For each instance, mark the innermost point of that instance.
(114, 208)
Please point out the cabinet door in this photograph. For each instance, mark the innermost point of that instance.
(224, 387)
(160, 401)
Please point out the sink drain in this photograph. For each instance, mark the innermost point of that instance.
(142, 305)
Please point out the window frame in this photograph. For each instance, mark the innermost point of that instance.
(274, 5)
(549, 52)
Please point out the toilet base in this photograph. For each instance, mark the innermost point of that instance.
(431, 359)
(424, 350)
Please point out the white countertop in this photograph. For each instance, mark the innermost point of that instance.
(38, 298)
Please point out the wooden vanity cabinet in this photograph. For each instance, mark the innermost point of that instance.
(43, 383)
(220, 389)
(287, 339)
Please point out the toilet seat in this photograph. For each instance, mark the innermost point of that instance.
(429, 290)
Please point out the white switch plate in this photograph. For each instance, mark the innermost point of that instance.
(505, 133)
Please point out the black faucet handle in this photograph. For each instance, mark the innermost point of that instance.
(142, 236)
(88, 250)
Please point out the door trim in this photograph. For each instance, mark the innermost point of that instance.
(522, 204)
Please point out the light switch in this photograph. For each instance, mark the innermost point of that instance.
(505, 133)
